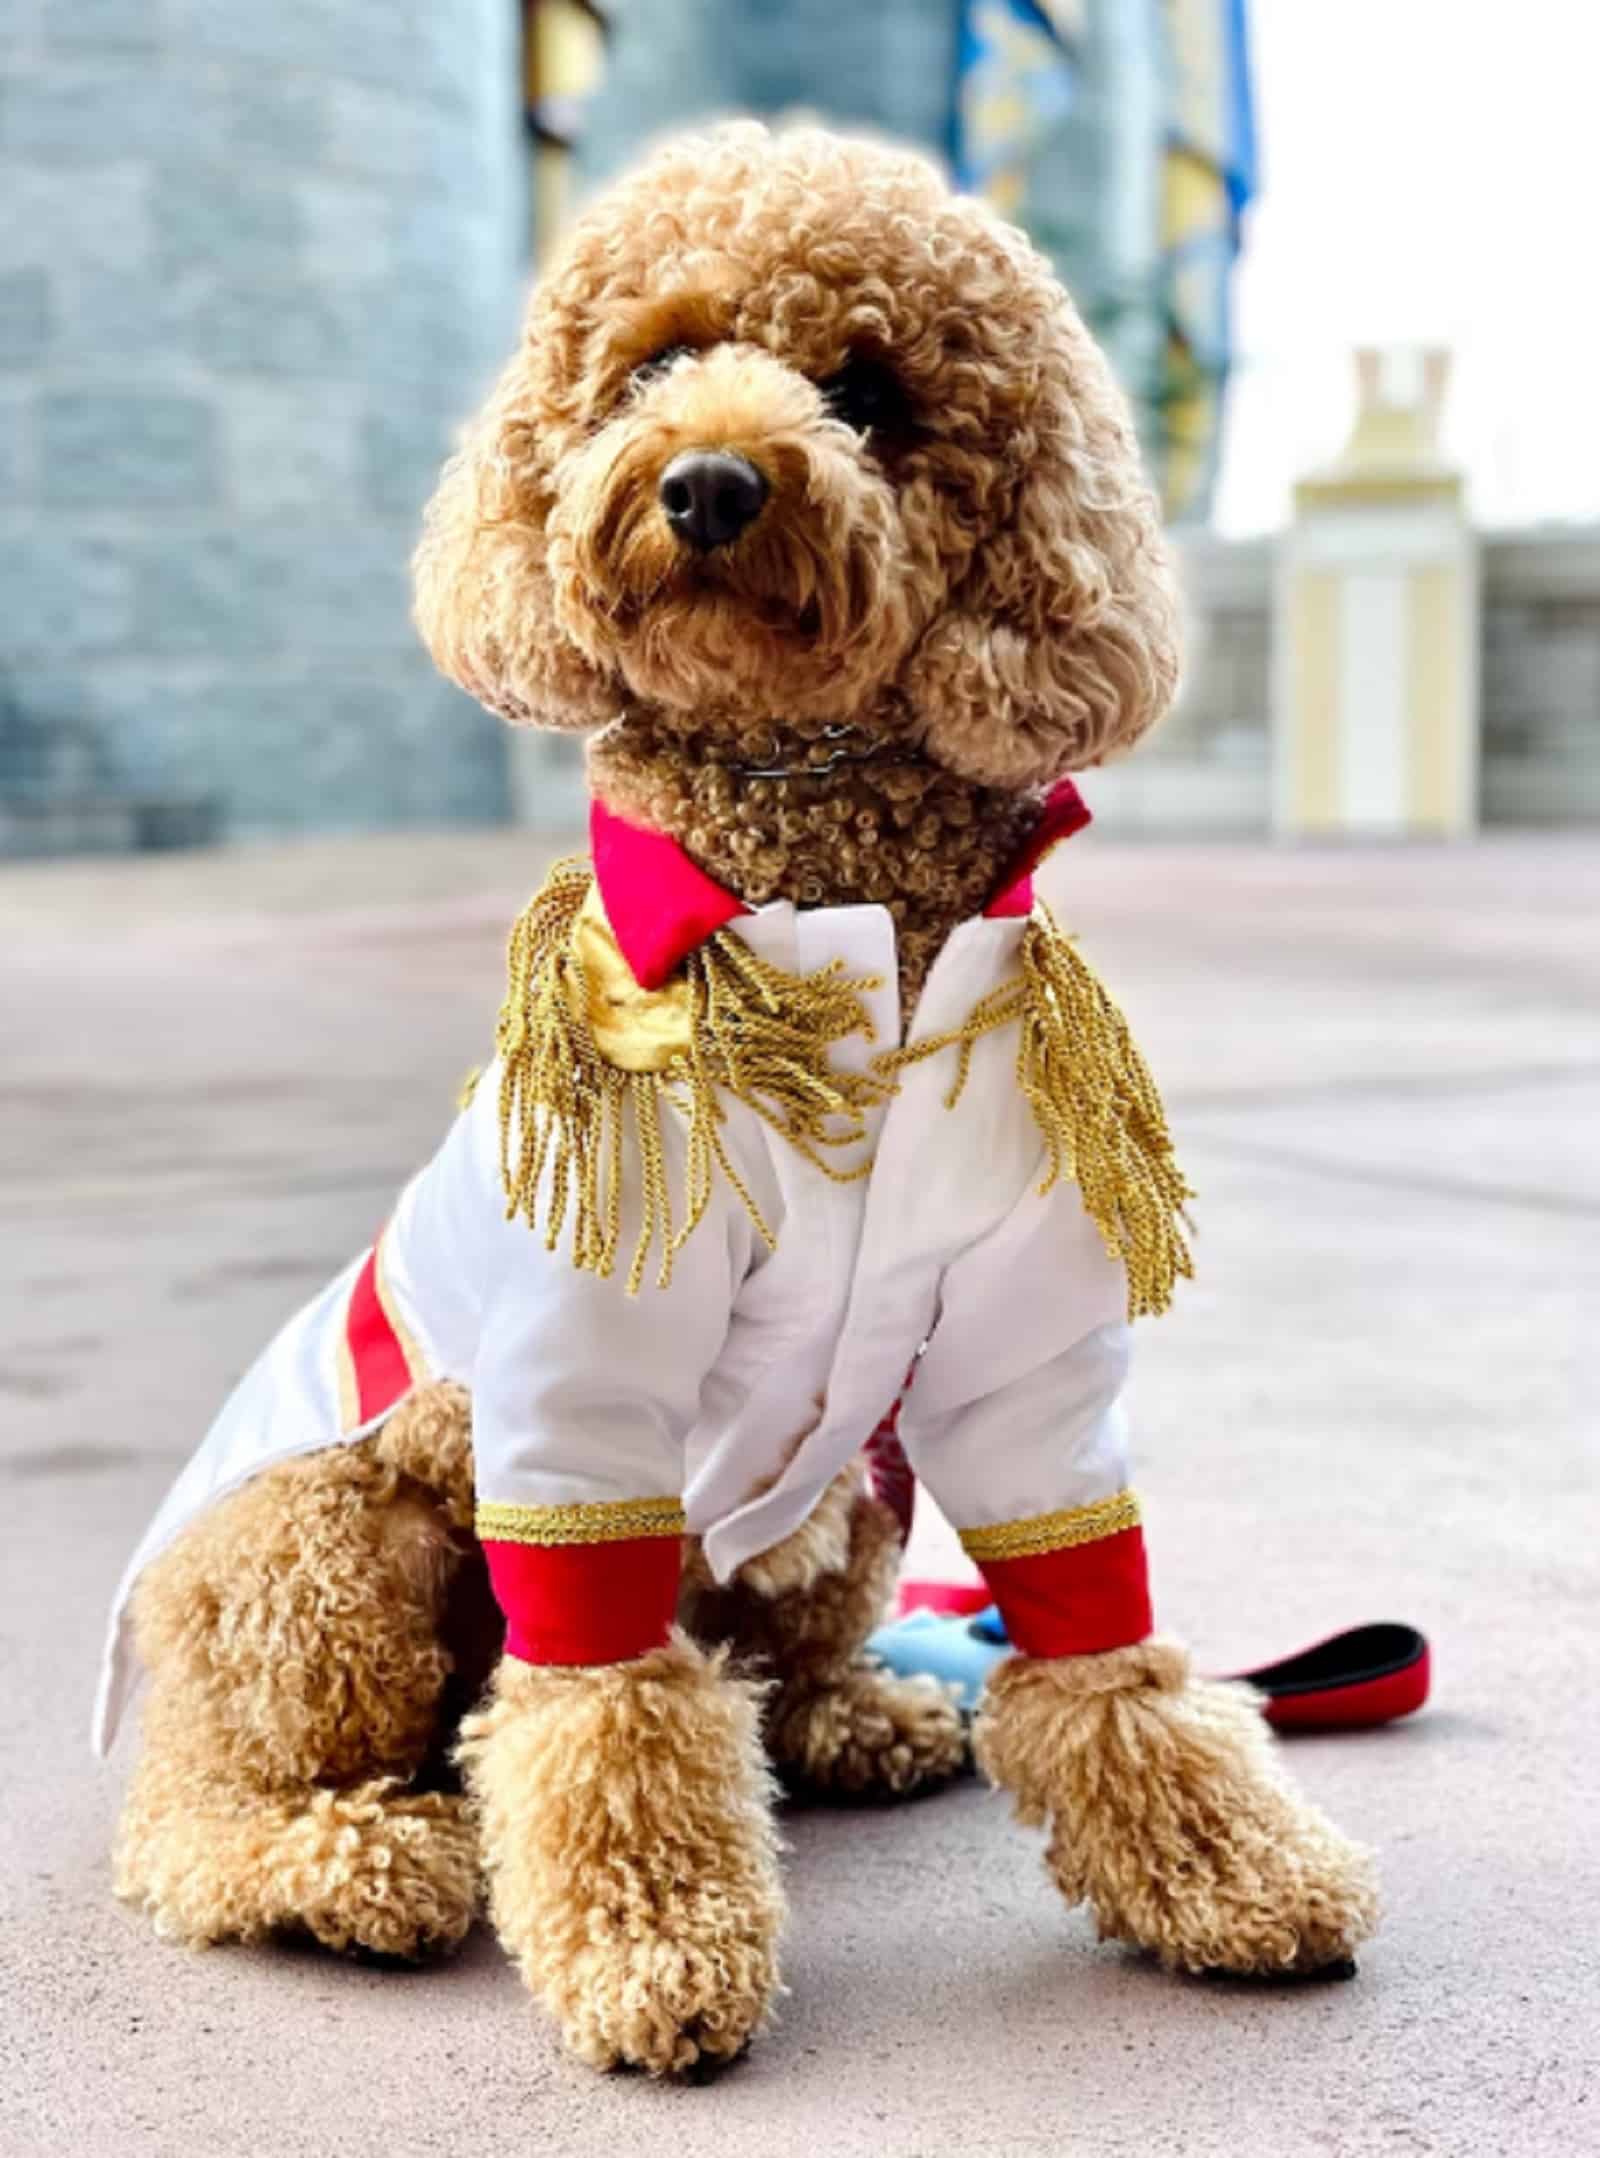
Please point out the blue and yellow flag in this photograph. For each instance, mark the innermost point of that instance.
(1014, 82)
(1208, 175)
(1033, 75)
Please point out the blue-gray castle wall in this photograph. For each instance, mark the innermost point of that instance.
(255, 262)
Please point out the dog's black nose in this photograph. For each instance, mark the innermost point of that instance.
(710, 496)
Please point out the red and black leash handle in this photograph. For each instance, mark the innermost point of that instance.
(1367, 1675)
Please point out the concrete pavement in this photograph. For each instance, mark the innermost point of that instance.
(1377, 1401)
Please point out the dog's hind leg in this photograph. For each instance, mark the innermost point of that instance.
(800, 1614)
(293, 1636)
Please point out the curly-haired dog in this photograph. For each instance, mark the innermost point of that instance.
(808, 496)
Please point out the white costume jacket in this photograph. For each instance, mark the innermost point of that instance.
(606, 1422)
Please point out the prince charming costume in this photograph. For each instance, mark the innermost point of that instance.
(711, 1203)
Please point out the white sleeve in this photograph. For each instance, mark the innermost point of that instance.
(581, 1392)
(1015, 1409)
(582, 1400)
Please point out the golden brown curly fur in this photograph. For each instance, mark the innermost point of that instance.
(1170, 1815)
(297, 1665)
(631, 1854)
(941, 607)
(312, 1643)
(973, 594)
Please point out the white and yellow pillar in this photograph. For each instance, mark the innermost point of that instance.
(1375, 631)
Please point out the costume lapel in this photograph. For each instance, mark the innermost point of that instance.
(661, 906)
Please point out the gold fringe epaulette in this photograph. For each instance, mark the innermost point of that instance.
(1094, 1101)
(583, 1048)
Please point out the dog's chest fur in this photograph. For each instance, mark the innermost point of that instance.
(929, 846)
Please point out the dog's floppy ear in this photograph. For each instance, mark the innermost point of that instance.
(482, 591)
(1059, 645)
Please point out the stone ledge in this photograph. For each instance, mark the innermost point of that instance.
(106, 824)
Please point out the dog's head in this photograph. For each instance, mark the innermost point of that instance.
(796, 434)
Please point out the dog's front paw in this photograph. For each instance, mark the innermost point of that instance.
(1170, 1815)
(668, 1994)
(1275, 1892)
(631, 1854)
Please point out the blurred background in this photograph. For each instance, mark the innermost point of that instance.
(256, 262)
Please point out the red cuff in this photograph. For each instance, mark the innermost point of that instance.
(1079, 1601)
(586, 1603)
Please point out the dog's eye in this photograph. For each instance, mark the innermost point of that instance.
(864, 394)
(658, 363)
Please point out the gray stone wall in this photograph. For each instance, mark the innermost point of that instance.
(1208, 767)
(255, 262)
(887, 65)
(1541, 679)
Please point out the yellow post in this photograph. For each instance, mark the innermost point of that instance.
(1375, 625)
(563, 59)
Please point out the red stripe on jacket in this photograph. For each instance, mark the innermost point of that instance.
(378, 1359)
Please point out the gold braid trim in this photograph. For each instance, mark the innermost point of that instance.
(730, 1023)
(1094, 1101)
(602, 1521)
(1040, 1533)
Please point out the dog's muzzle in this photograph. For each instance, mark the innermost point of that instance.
(710, 496)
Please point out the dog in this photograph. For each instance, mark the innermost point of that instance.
(808, 499)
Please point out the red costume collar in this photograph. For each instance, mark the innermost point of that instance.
(661, 907)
